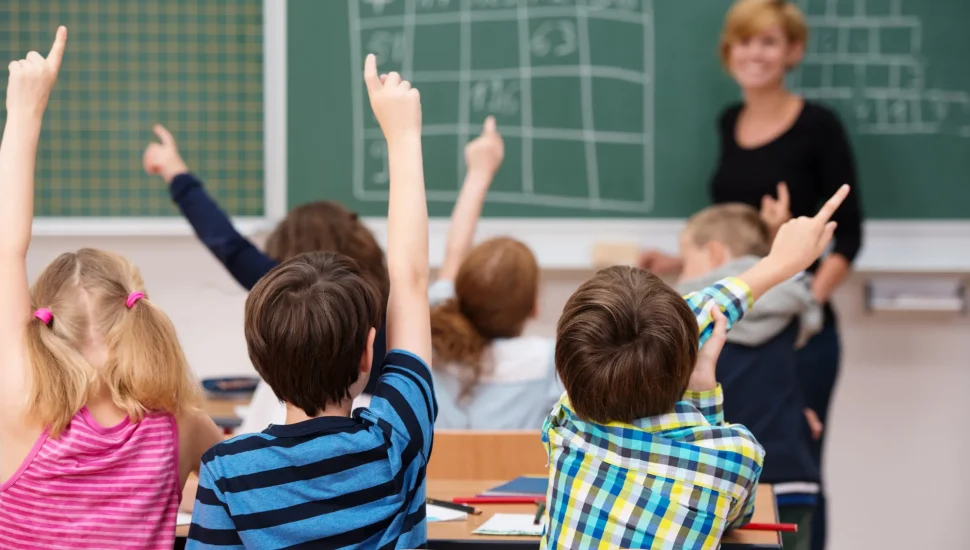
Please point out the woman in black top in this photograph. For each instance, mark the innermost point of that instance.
(786, 156)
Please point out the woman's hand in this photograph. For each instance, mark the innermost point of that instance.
(659, 263)
(776, 211)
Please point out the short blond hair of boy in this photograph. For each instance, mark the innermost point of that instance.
(748, 18)
(737, 226)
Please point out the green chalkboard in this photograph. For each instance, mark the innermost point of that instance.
(196, 67)
(608, 107)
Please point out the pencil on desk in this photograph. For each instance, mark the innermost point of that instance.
(540, 509)
(780, 527)
(453, 506)
(498, 500)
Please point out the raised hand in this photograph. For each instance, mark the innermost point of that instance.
(484, 154)
(163, 158)
(801, 241)
(775, 212)
(32, 78)
(396, 104)
(703, 377)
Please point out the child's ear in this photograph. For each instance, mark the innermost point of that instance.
(717, 253)
(367, 359)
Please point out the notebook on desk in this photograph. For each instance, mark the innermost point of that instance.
(524, 486)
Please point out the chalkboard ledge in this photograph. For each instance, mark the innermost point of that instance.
(889, 246)
(567, 244)
(134, 227)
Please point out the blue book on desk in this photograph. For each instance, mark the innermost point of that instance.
(525, 486)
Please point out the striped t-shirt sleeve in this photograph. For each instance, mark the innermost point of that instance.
(211, 525)
(405, 398)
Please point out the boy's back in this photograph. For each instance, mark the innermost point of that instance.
(333, 477)
(327, 482)
(676, 479)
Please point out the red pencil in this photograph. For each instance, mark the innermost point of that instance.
(780, 527)
(498, 500)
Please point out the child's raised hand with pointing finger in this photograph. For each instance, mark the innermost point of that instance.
(798, 243)
(32, 78)
(163, 158)
(396, 104)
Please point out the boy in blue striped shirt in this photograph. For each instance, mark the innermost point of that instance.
(329, 478)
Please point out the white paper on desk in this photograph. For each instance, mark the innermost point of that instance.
(265, 409)
(511, 524)
(183, 519)
(439, 513)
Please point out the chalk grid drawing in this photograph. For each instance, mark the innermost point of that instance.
(514, 59)
(868, 53)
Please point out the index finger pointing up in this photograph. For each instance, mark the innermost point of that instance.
(57, 50)
(371, 80)
(828, 209)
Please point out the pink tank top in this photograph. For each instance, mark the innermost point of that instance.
(96, 487)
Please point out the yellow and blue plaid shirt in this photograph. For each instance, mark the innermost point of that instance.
(677, 480)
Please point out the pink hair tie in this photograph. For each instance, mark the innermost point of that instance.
(133, 298)
(44, 315)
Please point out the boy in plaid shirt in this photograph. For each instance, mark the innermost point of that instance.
(640, 455)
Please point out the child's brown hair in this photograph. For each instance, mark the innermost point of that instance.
(626, 345)
(735, 225)
(307, 325)
(495, 294)
(86, 293)
(326, 226)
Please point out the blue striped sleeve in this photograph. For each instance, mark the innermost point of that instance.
(405, 398)
(212, 527)
(731, 295)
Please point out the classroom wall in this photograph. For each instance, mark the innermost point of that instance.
(898, 440)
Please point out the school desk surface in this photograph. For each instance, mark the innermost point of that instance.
(458, 534)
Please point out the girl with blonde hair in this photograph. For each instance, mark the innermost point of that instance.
(100, 425)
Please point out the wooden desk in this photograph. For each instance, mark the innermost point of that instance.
(458, 534)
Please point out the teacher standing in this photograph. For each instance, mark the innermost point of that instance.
(785, 155)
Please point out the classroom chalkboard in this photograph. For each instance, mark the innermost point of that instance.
(196, 67)
(608, 107)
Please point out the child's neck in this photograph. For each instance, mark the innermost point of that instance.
(296, 414)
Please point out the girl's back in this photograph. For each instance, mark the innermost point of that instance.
(85, 337)
(96, 487)
(517, 391)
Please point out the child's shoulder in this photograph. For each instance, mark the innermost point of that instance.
(235, 446)
(523, 358)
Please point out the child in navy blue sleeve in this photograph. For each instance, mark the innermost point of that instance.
(316, 226)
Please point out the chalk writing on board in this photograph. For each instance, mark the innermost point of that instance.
(387, 45)
(495, 96)
(873, 62)
(377, 6)
(378, 153)
(555, 37)
(534, 64)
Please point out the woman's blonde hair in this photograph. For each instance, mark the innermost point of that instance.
(86, 292)
(495, 294)
(748, 18)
